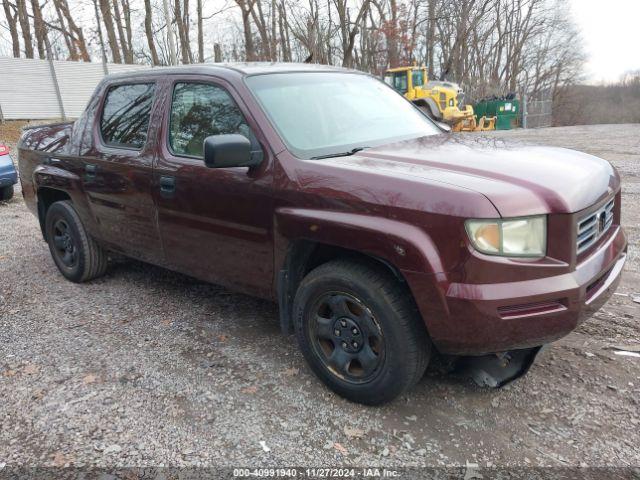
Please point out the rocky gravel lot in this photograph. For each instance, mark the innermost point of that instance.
(146, 367)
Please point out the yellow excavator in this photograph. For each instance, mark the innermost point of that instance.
(442, 101)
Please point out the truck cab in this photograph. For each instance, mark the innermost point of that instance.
(382, 238)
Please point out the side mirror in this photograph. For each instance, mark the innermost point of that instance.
(230, 150)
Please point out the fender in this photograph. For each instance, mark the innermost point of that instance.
(53, 178)
(429, 107)
(401, 246)
(404, 246)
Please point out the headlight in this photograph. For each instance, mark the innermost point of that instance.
(512, 237)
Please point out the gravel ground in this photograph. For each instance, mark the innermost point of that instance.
(146, 367)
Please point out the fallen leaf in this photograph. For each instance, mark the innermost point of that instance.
(30, 369)
(60, 459)
(91, 378)
(223, 338)
(353, 432)
(166, 322)
(9, 373)
(250, 390)
(340, 448)
(290, 372)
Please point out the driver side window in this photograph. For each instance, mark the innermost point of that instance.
(199, 110)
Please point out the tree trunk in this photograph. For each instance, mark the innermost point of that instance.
(74, 33)
(200, 32)
(23, 17)
(148, 29)
(12, 20)
(39, 28)
(121, 35)
(181, 32)
(68, 39)
(100, 37)
(431, 37)
(105, 8)
(217, 53)
(126, 13)
(247, 7)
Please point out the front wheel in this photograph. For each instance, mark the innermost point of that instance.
(360, 331)
(6, 193)
(78, 257)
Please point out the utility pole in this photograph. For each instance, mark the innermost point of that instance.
(172, 46)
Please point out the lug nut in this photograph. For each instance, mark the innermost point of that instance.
(343, 323)
(355, 331)
(344, 344)
(355, 344)
(337, 332)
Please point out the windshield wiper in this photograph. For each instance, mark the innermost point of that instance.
(341, 154)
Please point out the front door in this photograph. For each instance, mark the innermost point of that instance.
(117, 171)
(215, 224)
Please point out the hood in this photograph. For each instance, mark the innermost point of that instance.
(518, 179)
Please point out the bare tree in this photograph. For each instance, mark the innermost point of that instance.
(246, 7)
(148, 28)
(25, 27)
(11, 14)
(107, 17)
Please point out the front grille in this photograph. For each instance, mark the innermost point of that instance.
(593, 226)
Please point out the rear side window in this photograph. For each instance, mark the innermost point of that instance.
(199, 110)
(126, 114)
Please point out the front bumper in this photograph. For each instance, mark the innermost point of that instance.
(474, 319)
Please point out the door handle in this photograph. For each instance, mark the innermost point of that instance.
(167, 186)
(90, 171)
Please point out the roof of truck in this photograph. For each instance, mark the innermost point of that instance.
(242, 68)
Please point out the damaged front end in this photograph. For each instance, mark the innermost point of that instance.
(498, 369)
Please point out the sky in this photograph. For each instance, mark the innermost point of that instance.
(610, 31)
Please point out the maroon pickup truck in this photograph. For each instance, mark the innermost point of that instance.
(382, 237)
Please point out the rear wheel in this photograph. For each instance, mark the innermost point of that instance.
(6, 193)
(360, 331)
(78, 257)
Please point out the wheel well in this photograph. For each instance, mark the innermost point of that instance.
(46, 198)
(302, 257)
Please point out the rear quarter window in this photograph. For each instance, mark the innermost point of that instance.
(125, 115)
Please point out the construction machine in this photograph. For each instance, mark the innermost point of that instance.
(442, 101)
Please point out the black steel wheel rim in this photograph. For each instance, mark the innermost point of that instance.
(64, 243)
(346, 337)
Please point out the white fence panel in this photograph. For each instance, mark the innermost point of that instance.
(77, 81)
(27, 88)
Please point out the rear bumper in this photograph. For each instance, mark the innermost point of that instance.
(475, 319)
(8, 175)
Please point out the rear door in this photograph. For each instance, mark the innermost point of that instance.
(215, 224)
(117, 170)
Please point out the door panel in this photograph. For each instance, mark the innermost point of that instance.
(216, 224)
(118, 178)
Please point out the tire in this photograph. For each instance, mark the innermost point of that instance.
(6, 193)
(78, 257)
(342, 301)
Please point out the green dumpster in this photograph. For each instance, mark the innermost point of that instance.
(506, 111)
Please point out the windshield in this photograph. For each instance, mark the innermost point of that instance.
(320, 114)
